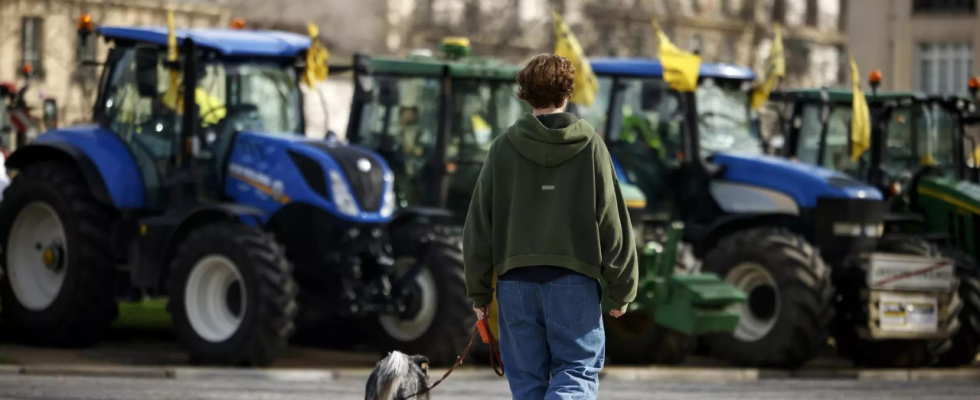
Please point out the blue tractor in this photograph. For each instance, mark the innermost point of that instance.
(195, 183)
(803, 242)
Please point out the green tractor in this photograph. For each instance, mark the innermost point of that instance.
(917, 160)
(433, 119)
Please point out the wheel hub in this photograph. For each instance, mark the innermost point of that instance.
(52, 257)
(421, 303)
(215, 298)
(36, 258)
(411, 301)
(760, 313)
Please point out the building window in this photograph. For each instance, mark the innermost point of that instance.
(779, 11)
(729, 51)
(812, 12)
(726, 8)
(944, 6)
(696, 43)
(944, 68)
(32, 38)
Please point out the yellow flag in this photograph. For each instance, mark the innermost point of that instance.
(681, 68)
(173, 82)
(860, 124)
(316, 58)
(209, 107)
(775, 69)
(566, 45)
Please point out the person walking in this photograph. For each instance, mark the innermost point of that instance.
(548, 216)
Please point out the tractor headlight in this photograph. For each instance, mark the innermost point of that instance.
(388, 202)
(342, 196)
(857, 230)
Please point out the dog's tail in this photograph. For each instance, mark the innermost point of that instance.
(391, 370)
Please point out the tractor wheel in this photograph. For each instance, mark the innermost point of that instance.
(232, 296)
(58, 286)
(635, 338)
(784, 322)
(966, 342)
(892, 353)
(438, 320)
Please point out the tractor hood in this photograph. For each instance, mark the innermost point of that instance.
(268, 170)
(803, 183)
(964, 195)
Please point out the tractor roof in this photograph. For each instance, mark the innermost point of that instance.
(652, 68)
(228, 42)
(467, 67)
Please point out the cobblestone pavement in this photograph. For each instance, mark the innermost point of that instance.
(81, 388)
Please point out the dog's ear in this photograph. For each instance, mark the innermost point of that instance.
(421, 361)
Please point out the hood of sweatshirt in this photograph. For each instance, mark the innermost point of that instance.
(550, 147)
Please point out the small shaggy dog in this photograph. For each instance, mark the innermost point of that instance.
(398, 377)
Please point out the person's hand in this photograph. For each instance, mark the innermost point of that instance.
(616, 313)
(481, 313)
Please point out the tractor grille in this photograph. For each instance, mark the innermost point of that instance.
(835, 247)
(368, 186)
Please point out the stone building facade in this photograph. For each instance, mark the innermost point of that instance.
(732, 31)
(43, 33)
(927, 46)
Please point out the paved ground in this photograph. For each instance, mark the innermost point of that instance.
(75, 388)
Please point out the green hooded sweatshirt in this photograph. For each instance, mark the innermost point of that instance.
(549, 197)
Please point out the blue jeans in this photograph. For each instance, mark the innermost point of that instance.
(551, 337)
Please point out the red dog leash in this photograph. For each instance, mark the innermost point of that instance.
(483, 327)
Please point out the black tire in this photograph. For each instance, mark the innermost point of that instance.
(802, 296)
(268, 284)
(966, 342)
(84, 308)
(891, 353)
(453, 323)
(635, 338)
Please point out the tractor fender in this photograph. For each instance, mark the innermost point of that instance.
(58, 151)
(161, 236)
(734, 223)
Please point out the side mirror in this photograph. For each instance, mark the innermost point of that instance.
(50, 113)
(363, 81)
(388, 92)
(146, 71)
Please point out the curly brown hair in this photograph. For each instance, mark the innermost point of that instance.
(546, 81)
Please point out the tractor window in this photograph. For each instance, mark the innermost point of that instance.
(259, 96)
(645, 118)
(645, 134)
(596, 114)
(941, 129)
(724, 119)
(270, 90)
(401, 123)
(142, 120)
(900, 150)
(482, 110)
(837, 151)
